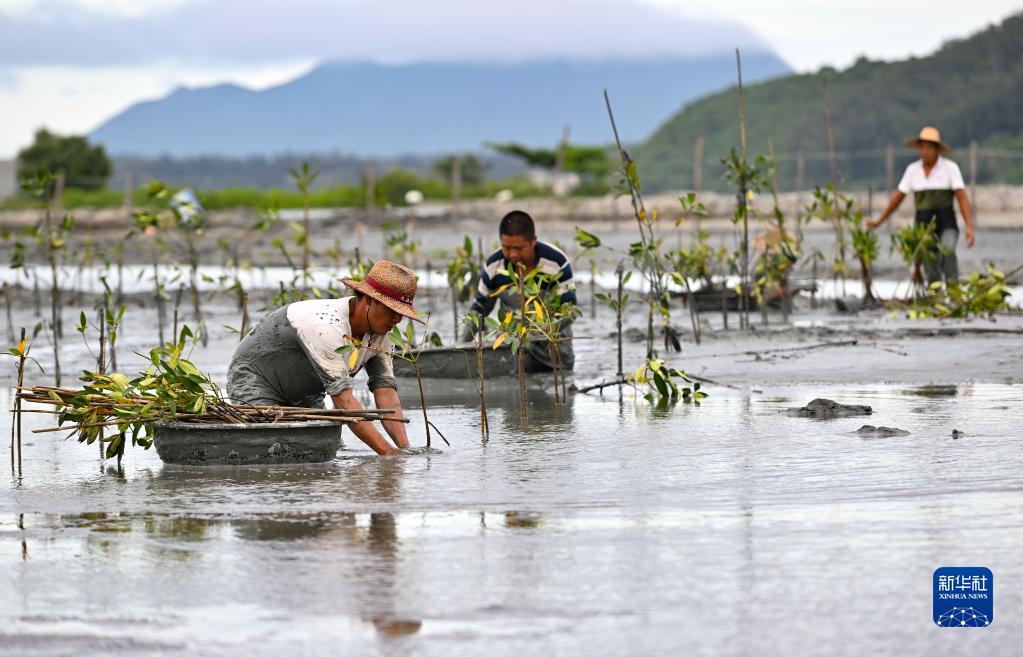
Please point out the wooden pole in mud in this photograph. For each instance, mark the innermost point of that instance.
(101, 362)
(620, 273)
(370, 178)
(973, 179)
(484, 420)
(698, 167)
(836, 221)
(785, 299)
(801, 172)
(693, 314)
(744, 283)
(521, 351)
(7, 308)
(193, 259)
(56, 331)
(559, 161)
(646, 232)
(245, 317)
(889, 168)
(16, 420)
(456, 179)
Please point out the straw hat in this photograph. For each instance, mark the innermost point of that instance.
(392, 285)
(929, 134)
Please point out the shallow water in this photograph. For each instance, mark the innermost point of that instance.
(604, 528)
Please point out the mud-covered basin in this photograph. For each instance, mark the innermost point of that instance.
(460, 362)
(237, 444)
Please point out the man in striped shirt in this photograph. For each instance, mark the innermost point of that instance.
(521, 249)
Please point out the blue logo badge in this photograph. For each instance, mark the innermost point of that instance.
(964, 597)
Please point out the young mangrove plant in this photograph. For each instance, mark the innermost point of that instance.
(977, 295)
(147, 224)
(480, 327)
(304, 178)
(918, 244)
(666, 385)
(52, 237)
(463, 278)
(749, 179)
(546, 316)
(829, 208)
(789, 245)
(22, 353)
(189, 217)
(646, 253)
(408, 351)
(867, 248)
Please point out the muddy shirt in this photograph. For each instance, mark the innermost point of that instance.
(291, 358)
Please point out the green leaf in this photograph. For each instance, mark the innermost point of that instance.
(585, 239)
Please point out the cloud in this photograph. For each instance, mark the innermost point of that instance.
(85, 33)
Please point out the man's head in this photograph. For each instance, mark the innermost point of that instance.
(385, 295)
(379, 318)
(928, 145)
(928, 151)
(518, 238)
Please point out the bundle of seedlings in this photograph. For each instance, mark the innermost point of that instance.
(172, 389)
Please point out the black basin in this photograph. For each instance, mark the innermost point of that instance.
(240, 444)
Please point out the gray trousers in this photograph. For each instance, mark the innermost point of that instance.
(944, 266)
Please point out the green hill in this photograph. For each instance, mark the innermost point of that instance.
(971, 89)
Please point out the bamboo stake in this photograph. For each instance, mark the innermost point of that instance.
(839, 228)
(744, 285)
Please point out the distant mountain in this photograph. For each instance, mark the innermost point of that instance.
(970, 89)
(371, 109)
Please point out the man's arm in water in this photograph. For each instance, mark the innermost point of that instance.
(364, 430)
(387, 398)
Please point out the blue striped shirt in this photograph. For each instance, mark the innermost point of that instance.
(550, 260)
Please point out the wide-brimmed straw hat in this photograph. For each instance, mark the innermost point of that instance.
(929, 134)
(392, 285)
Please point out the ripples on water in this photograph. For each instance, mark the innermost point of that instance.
(603, 528)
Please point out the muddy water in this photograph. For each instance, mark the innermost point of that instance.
(604, 528)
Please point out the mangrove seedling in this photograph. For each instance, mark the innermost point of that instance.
(647, 252)
(918, 244)
(21, 353)
(666, 385)
(828, 207)
(53, 238)
(617, 304)
(409, 352)
(977, 295)
(749, 178)
(480, 327)
(867, 247)
(304, 178)
(463, 278)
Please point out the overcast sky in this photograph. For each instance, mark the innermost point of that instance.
(70, 64)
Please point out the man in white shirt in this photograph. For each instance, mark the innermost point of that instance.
(293, 357)
(934, 182)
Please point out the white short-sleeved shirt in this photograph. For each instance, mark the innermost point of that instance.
(322, 326)
(944, 175)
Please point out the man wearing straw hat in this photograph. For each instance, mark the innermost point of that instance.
(292, 357)
(934, 181)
